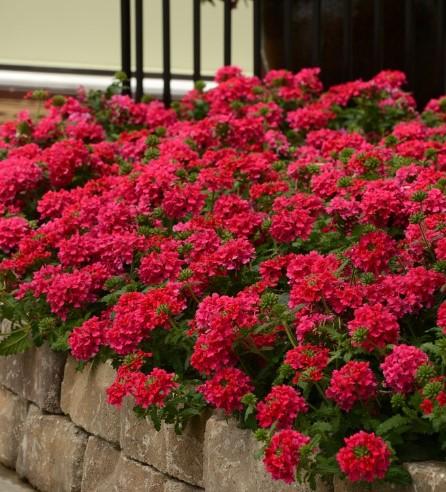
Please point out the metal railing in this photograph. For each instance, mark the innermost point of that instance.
(126, 28)
(346, 58)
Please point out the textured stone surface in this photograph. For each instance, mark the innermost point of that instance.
(100, 462)
(230, 464)
(35, 375)
(429, 476)
(341, 485)
(106, 470)
(51, 453)
(9, 482)
(83, 398)
(178, 456)
(176, 486)
(13, 410)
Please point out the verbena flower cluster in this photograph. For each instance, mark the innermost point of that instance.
(266, 248)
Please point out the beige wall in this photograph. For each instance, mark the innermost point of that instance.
(85, 34)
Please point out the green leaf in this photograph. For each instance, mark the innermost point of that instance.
(398, 474)
(322, 427)
(16, 342)
(395, 423)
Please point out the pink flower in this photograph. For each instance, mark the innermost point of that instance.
(400, 367)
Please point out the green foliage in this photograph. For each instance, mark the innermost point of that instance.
(15, 342)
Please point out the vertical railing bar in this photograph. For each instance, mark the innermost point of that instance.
(197, 39)
(257, 42)
(316, 32)
(287, 24)
(348, 39)
(139, 49)
(443, 44)
(167, 97)
(441, 48)
(408, 39)
(378, 35)
(126, 44)
(227, 34)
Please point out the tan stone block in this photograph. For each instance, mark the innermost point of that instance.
(10, 482)
(35, 375)
(180, 456)
(428, 476)
(100, 462)
(84, 399)
(343, 485)
(13, 411)
(175, 486)
(135, 477)
(184, 453)
(106, 470)
(230, 464)
(140, 440)
(51, 453)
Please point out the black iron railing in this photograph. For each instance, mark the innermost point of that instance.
(126, 26)
(347, 9)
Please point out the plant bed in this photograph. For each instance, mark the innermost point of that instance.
(266, 248)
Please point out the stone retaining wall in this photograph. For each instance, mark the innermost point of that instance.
(58, 432)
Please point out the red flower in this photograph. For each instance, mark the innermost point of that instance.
(441, 317)
(427, 406)
(308, 361)
(282, 456)
(354, 382)
(86, 339)
(365, 456)
(373, 327)
(281, 406)
(373, 252)
(226, 389)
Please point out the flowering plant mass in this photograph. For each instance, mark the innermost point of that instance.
(265, 247)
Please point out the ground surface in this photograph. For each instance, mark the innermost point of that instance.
(9, 482)
(9, 107)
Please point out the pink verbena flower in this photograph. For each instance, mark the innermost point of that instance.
(400, 367)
